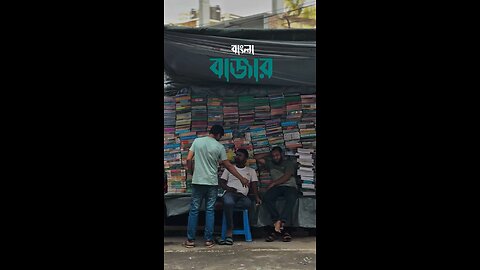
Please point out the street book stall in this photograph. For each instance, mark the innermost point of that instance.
(260, 86)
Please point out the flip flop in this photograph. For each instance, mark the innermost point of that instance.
(209, 243)
(189, 244)
(228, 241)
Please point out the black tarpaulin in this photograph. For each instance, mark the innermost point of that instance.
(188, 52)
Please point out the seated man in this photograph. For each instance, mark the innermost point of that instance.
(236, 193)
(284, 184)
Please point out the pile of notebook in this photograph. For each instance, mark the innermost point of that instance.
(309, 108)
(215, 112)
(294, 107)
(169, 121)
(169, 111)
(277, 105)
(291, 135)
(186, 140)
(259, 139)
(246, 111)
(275, 133)
(176, 181)
(183, 111)
(307, 135)
(262, 110)
(230, 112)
(306, 170)
(199, 113)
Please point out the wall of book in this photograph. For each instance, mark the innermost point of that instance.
(253, 123)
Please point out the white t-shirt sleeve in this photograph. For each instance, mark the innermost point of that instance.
(225, 175)
(254, 176)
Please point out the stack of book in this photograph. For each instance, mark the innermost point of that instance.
(199, 113)
(277, 104)
(230, 112)
(201, 134)
(306, 170)
(215, 112)
(291, 135)
(307, 134)
(309, 108)
(169, 111)
(172, 158)
(183, 111)
(262, 110)
(294, 107)
(176, 181)
(246, 111)
(259, 139)
(275, 133)
(186, 140)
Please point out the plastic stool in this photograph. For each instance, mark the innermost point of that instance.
(246, 226)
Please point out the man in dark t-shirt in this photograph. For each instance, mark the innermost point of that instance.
(283, 184)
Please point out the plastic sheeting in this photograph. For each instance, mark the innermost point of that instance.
(187, 54)
(304, 211)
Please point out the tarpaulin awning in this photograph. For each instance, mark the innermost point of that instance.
(188, 55)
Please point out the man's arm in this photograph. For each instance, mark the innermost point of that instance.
(223, 184)
(190, 161)
(229, 166)
(261, 158)
(283, 179)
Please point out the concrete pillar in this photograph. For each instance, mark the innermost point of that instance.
(204, 13)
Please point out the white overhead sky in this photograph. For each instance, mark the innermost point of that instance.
(176, 9)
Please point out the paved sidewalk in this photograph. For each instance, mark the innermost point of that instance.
(298, 254)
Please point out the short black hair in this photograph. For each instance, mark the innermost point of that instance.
(217, 129)
(245, 152)
(277, 148)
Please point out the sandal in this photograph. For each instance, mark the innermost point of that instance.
(209, 243)
(189, 244)
(286, 237)
(272, 237)
(228, 241)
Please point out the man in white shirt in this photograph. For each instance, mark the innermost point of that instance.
(236, 194)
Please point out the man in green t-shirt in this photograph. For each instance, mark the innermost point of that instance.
(208, 152)
(283, 184)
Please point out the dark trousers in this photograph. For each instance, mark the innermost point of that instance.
(234, 200)
(270, 199)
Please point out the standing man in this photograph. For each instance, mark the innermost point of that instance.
(208, 152)
(236, 194)
(284, 184)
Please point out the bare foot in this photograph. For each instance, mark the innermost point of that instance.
(278, 226)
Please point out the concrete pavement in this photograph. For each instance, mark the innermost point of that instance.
(298, 254)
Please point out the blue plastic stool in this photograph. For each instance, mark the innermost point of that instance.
(246, 226)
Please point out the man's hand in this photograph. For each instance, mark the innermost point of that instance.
(271, 185)
(244, 181)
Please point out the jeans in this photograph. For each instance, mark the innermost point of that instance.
(198, 193)
(234, 200)
(270, 198)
